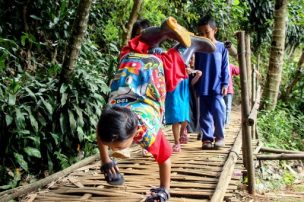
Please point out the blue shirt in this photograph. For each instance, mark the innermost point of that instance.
(214, 67)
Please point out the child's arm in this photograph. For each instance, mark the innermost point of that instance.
(103, 151)
(198, 75)
(225, 72)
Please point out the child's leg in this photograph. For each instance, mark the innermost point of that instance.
(165, 174)
(226, 103)
(218, 112)
(161, 151)
(183, 133)
(228, 107)
(206, 122)
(176, 132)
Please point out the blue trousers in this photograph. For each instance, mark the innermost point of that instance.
(212, 117)
(228, 101)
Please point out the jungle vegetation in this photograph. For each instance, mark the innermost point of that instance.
(58, 57)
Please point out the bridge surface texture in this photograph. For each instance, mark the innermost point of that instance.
(195, 174)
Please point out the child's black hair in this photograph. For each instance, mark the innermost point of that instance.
(207, 20)
(116, 124)
(139, 24)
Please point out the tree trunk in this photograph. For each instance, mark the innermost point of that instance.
(132, 19)
(271, 90)
(296, 77)
(78, 32)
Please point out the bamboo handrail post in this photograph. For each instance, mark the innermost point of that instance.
(254, 111)
(248, 66)
(245, 112)
(253, 99)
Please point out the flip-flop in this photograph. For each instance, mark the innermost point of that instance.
(113, 179)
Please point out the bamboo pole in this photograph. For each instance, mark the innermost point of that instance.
(13, 193)
(280, 157)
(228, 168)
(279, 151)
(254, 92)
(254, 111)
(232, 51)
(248, 67)
(245, 112)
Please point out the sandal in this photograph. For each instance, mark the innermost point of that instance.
(184, 138)
(159, 194)
(176, 148)
(207, 145)
(113, 179)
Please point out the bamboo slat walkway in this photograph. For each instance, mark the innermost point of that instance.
(195, 174)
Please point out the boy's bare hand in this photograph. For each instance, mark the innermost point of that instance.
(224, 91)
(197, 73)
(114, 170)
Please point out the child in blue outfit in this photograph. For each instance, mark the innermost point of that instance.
(177, 112)
(212, 86)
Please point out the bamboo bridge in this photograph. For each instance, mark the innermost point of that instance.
(197, 175)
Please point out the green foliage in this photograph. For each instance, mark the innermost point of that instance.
(37, 129)
(260, 20)
(295, 24)
(228, 17)
(282, 128)
(288, 178)
(44, 124)
(15, 177)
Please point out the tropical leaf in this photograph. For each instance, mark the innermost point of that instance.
(55, 138)
(47, 105)
(20, 120)
(12, 99)
(32, 152)
(80, 120)
(35, 139)
(72, 120)
(34, 123)
(8, 119)
(64, 97)
(63, 123)
(31, 94)
(20, 160)
(80, 134)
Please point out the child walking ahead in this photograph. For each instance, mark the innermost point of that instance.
(212, 87)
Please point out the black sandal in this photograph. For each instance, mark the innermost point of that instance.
(160, 194)
(113, 179)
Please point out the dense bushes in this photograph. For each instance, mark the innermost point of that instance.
(282, 128)
(36, 129)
